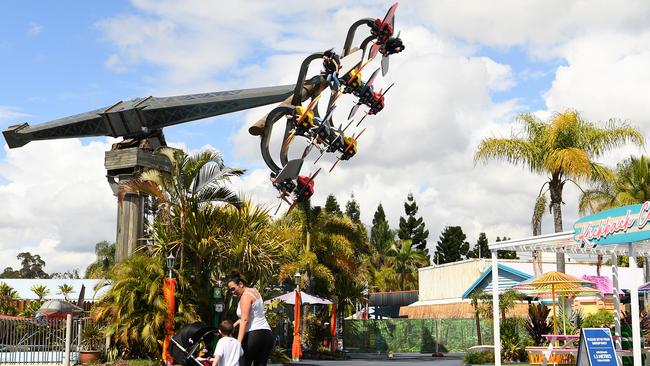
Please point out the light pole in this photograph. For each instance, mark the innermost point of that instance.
(169, 289)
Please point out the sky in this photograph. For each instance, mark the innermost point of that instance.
(469, 68)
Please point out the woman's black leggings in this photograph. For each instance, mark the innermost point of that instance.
(257, 346)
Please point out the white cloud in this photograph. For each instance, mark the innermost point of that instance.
(56, 202)
(423, 142)
(538, 24)
(34, 29)
(10, 113)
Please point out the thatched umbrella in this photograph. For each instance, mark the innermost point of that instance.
(554, 283)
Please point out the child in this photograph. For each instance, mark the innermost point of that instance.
(228, 350)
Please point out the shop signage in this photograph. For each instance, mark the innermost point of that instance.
(619, 225)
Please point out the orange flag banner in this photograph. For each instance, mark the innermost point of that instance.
(169, 290)
(296, 347)
(333, 328)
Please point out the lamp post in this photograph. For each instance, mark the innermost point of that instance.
(170, 263)
(296, 278)
(169, 289)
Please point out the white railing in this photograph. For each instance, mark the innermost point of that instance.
(39, 341)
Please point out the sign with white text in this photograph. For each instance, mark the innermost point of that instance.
(619, 225)
(596, 348)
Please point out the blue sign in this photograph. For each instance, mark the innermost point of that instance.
(596, 348)
(619, 225)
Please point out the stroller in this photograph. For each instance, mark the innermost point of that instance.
(184, 346)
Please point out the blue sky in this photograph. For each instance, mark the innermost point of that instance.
(54, 66)
(468, 69)
(54, 61)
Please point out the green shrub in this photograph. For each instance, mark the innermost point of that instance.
(513, 340)
(600, 319)
(479, 358)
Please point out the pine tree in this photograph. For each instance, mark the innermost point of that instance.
(412, 228)
(451, 246)
(506, 254)
(481, 249)
(381, 236)
(352, 209)
(332, 206)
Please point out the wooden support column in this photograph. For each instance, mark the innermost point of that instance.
(124, 164)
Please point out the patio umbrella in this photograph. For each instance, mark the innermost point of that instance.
(554, 283)
(296, 347)
(58, 309)
(305, 298)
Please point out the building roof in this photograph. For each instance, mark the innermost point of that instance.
(23, 287)
(508, 277)
(392, 298)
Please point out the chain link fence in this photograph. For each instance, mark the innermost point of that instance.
(413, 335)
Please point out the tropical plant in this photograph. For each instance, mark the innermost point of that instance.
(406, 260)
(476, 298)
(8, 296)
(91, 337)
(537, 323)
(512, 343)
(479, 358)
(105, 252)
(134, 309)
(565, 148)
(41, 291)
(600, 319)
(644, 321)
(507, 301)
(329, 251)
(65, 290)
(194, 182)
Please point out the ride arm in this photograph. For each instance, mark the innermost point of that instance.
(370, 22)
(139, 116)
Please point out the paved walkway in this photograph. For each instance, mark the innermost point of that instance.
(419, 360)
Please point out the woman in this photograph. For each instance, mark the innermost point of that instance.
(254, 331)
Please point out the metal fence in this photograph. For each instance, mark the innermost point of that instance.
(41, 341)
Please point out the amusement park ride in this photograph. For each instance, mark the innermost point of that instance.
(140, 122)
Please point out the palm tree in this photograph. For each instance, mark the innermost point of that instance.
(630, 186)
(251, 242)
(476, 298)
(194, 182)
(41, 291)
(332, 260)
(406, 260)
(565, 148)
(66, 290)
(134, 309)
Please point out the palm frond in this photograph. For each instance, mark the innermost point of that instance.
(614, 134)
(513, 150)
(573, 162)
